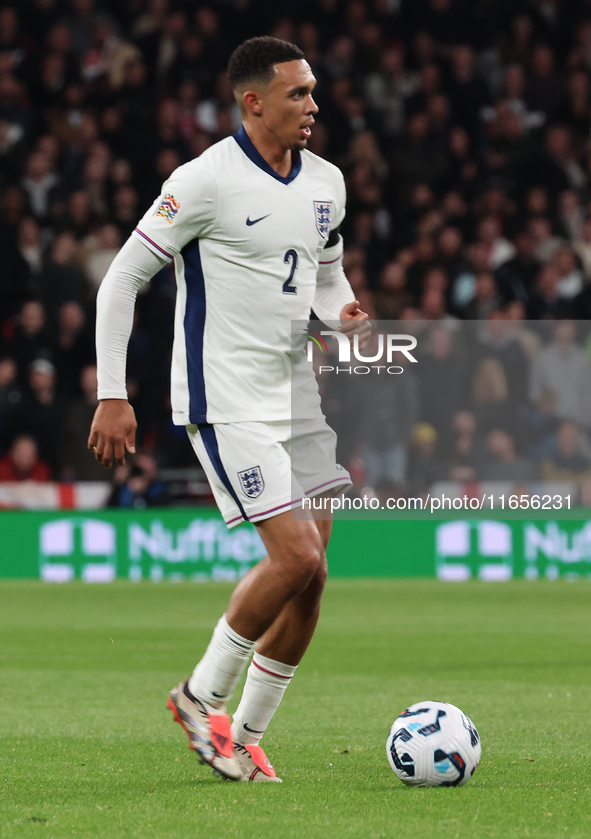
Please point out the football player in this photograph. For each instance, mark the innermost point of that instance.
(252, 228)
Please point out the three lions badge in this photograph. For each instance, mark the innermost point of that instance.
(252, 481)
(323, 217)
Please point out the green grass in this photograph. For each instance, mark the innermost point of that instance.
(87, 747)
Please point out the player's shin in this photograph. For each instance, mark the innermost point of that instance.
(216, 676)
(266, 683)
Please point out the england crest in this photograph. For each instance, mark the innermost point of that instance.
(323, 211)
(252, 481)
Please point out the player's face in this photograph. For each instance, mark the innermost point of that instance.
(287, 105)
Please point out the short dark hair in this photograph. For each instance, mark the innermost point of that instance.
(254, 59)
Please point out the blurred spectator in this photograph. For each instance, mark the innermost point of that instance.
(570, 213)
(136, 103)
(570, 277)
(429, 83)
(521, 39)
(464, 284)
(441, 373)
(388, 411)
(461, 165)
(209, 112)
(137, 486)
(449, 243)
(12, 42)
(574, 108)
(412, 160)
(11, 395)
(425, 466)
(545, 90)
(126, 210)
(490, 400)
(81, 23)
(164, 165)
(12, 150)
(41, 411)
(78, 216)
(102, 250)
(582, 246)
(563, 371)
(94, 180)
(29, 244)
(527, 339)
(14, 106)
(30, 337)
(461, 464)
(466, 450)
(568, 462)
(504, 464)
(517, 276)
(432, 305)
(40, 184)
(388, 89)
(468, 93)
(107, 55)
(78, 463)
(486, 298)
(498, 338)
(61, 280)
(392, 296)
(22, 462)
(500, 250)
(546, 302)
(557, 167)
(514, 85)
(74, 346)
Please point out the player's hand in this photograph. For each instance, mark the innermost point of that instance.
(355, 322)
(112, 431)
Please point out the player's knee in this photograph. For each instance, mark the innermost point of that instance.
(321, 573)
(310, 598)
(306, 561)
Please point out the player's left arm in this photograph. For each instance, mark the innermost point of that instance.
(335, 300)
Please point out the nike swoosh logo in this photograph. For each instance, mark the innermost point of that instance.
(219, 695)
(252, 730)
(249, 223)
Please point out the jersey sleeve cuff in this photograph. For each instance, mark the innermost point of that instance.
(111, 394)
(154, 246)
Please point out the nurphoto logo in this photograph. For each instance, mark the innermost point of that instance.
(386, 345)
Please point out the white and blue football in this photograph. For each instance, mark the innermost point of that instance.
(433, 744)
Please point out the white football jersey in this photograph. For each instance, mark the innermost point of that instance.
(246, 245)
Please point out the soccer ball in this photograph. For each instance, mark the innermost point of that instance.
(433, 744)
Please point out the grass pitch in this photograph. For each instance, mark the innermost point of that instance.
(88, 749)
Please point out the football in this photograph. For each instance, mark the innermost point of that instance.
(433, 744)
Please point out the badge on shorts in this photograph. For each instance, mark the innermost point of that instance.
(168, 208)
(252, 481)
(323, 217)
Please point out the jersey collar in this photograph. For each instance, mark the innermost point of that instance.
(251, 152)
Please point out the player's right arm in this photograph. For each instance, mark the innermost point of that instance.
(113, 428)
(185, 209)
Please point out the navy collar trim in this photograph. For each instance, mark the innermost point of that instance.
(251, 152)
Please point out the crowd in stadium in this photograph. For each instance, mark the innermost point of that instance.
(496, 400)
(462, 127)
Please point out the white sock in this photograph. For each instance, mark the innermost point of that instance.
(266, 683)
(216, 676)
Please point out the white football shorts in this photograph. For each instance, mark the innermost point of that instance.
(261, 469)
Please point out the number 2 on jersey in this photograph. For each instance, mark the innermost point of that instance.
(290, 256)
